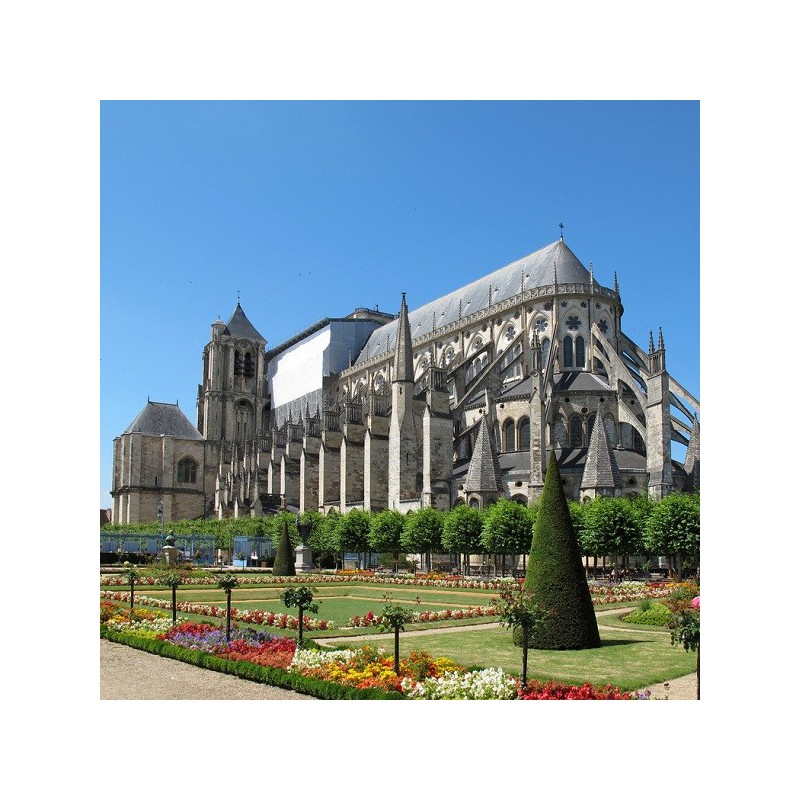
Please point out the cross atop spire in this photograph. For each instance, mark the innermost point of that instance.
(561, 225)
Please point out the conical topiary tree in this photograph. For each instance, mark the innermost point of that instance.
(556, 577)
(284, 558)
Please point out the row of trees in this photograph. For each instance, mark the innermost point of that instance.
(617, 528)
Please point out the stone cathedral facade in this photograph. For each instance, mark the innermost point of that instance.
(458, 401)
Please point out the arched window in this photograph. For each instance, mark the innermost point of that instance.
(187, 470)
(509, 436)
(575, 431)
(545, 351)
(567, 358)
(559, 433)
(524, 434)
(248, 366)
(580, 353)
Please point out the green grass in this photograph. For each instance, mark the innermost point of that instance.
(629, 659)
(626, 659)
(336, 603)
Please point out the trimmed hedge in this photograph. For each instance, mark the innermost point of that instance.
(556, 576)
(272, 676)
(284, 558)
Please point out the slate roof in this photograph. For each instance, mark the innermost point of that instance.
(536, 269)
(241, 327)
(580, 382)
(484, 474)
(157, 419)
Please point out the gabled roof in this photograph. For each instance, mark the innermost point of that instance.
(241, 327)
(484, 473)
(157, 419)
(576, 381)
(531, 271)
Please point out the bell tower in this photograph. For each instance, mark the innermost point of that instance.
(232, 401)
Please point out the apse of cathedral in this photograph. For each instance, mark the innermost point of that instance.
(458, 401)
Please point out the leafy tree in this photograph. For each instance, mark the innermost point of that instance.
(395, 617)
(612, 527)
(422, 533)
(556, 577)
(324, 540)
(301, 598)
(352, 531)
(461, 532)
(385, 533)
(276, 525)
(518, 610)
(507, 529)
(673, 529)
(228, 583)
(284, 557)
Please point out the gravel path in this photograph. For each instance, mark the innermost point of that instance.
(130, 674)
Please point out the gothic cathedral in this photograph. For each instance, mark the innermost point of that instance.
(459, 401)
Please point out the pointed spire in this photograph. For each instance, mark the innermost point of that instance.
(652, 346)
(484, 474)
(660, 340)
(403, 356)
(591, 274)
(616, 284)
(600, 472)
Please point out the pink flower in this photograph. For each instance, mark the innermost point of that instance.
(696, 602)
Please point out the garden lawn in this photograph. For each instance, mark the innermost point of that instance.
(338, 603)
(626, 659)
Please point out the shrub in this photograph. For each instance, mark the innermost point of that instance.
(653, 614)
(284, 558)
(556, 577)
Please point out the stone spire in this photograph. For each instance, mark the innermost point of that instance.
(600, 474)
(403, 356)
(484, 475)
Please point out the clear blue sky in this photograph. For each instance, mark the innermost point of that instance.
(309, 209)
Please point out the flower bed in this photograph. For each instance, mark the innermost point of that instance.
(371, 619)
(256, 647)
(627, 592)
(354, 577)
(485, 684)
(369, 667)
(553, 690)
(254, 617)
(367, 670)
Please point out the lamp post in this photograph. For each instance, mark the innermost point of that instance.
(160, 515)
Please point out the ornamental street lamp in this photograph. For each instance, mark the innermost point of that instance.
(160, 515)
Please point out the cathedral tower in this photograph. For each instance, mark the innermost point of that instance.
(231, 401)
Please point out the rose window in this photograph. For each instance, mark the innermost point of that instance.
(573, 323)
